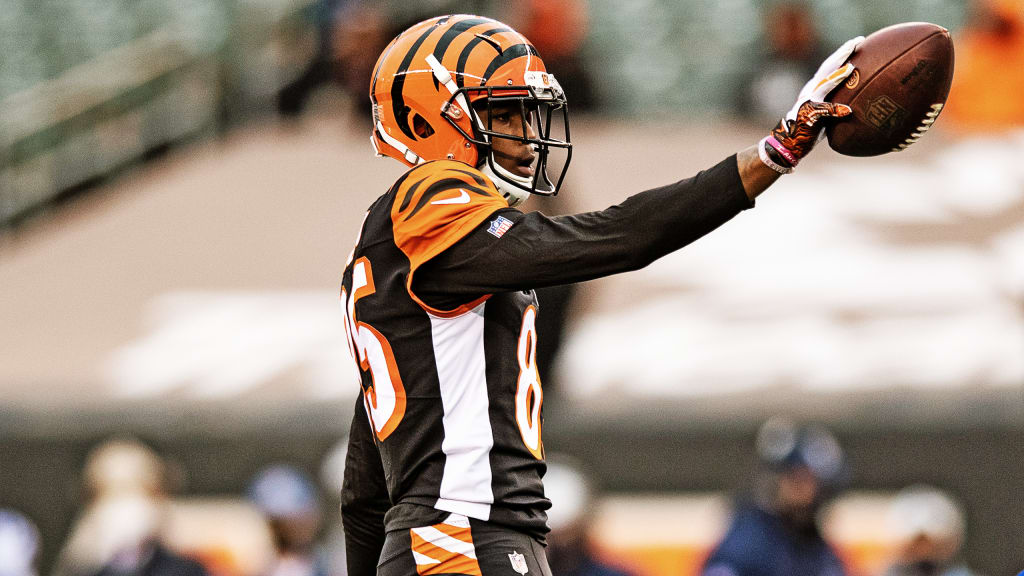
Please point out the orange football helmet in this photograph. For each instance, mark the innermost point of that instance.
(427, 81)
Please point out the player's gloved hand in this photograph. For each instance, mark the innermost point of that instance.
(802, 128)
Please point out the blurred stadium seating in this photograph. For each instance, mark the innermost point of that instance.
(661, 57)
(90, 86)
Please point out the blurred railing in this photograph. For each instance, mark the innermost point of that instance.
(90, 86)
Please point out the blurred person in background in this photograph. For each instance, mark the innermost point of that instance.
(291, 100)
(793, 53)
(19, 544)
(357, 32)
(776, 533)
(570, 550)
(288, 499)
(929, 526)
(445, 460)
(989, 77)
(558, 29)
(119, 531)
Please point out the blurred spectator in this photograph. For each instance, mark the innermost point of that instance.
(557, 29)
(989, 76)
(570, 552)
(289, 501)
(292, 98)
(119, 531)
(930, 529)
(19, 544)
(360, 31)
(776, 534)
(350, 36)
(793, 54)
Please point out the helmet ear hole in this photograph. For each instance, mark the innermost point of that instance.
(421, 127)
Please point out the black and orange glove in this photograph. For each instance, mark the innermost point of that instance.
(802, 126)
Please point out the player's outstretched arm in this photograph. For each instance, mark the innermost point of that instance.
(533, 251)
(801, 128)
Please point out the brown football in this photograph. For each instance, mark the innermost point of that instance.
(897, 91)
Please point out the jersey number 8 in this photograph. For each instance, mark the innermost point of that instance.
(529, 395)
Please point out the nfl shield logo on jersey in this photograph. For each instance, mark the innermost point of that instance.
(518, 562)
(499, 226)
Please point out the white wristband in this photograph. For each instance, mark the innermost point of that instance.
(766, 159)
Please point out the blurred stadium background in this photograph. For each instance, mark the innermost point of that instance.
(180, 182)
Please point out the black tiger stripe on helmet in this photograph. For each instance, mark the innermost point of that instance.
(398, 107)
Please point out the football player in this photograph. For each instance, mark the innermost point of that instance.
(774, 531)
(443, 474)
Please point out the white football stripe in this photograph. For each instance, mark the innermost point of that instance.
(445, 542)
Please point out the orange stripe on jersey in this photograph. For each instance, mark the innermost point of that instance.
(436, 205)
(444, 549)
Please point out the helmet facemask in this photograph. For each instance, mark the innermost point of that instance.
(543, 110)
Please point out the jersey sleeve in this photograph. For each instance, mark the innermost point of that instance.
(528, 251)
(436, 205)
(364, 498)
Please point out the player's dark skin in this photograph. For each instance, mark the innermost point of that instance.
(516, 156)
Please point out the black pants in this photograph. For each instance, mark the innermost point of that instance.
(462, 545)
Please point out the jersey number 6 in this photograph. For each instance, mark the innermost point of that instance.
(385, 399)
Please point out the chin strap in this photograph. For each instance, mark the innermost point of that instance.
(513, 194)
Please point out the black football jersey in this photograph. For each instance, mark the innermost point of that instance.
(440, 315)
(452, 393)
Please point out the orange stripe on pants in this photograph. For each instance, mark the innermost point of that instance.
(444, 549)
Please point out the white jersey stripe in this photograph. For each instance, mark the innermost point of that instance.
(445, 542)
(462, 372)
